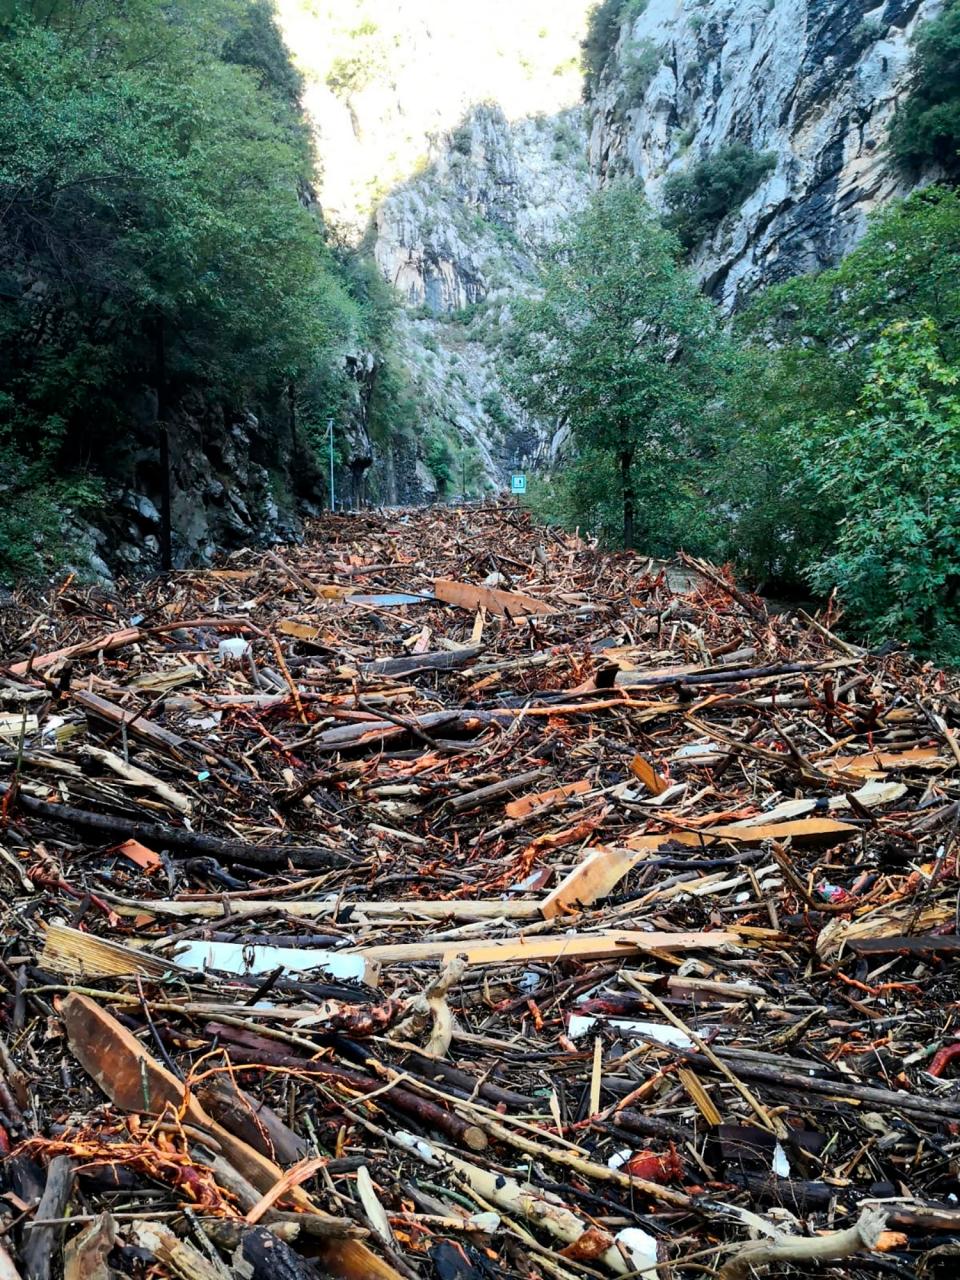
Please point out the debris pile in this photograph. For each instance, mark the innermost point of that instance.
(445, 898)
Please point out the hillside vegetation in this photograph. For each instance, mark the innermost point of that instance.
(157, 229)
(816, 445)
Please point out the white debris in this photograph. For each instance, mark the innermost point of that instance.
(640, 1249)
(234, 957)
(619, 1158)
(233, 649)
(580, 1024)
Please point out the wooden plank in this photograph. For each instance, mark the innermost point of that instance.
(876, 763)
(341, 908)
(586, 946)
(298, 630)
(103, 709)
(523, 805)
(82, 955)
(826, 829)
(643, 770)
(595, 877)
(499, 602)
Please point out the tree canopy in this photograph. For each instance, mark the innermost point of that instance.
(155, 208)
(622, 348)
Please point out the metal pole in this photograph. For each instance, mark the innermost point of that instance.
(333, 499)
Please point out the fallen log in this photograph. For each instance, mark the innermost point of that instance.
(176, 839)
(249, 1047)
(443, 660)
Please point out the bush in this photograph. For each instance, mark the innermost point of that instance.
(603, 32)
(461, 139)
(698, 199)
(848, 376)
(893, 464)
(440, 460)
(926, 129)
(640, 64)
(604, 23)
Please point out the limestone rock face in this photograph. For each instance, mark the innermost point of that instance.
(460, 241)
(815, 82)
(236, 480)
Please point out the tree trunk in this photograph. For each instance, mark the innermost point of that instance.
(166, 544)
(626, 484)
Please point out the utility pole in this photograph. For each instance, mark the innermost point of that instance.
(333, 500)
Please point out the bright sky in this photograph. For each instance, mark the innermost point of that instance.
(386, 75)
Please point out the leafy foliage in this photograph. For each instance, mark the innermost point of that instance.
(640, 64)
(623, 349)
(926, 129)
(604, 24)
(841, 400)
(700, 197)
(154, 174)
(892, 465)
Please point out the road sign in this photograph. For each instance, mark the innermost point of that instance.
(518, 483)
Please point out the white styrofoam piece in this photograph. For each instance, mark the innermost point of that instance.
(580, 1024)
(235, 957)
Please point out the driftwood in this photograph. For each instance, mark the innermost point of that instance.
(176, 839)
(753, 1259)
(658, 891)
(42, 1248)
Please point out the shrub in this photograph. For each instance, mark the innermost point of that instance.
(926, 129)
(894, 463)
(604, 24)
(461, 139)
(699, 198)
(640, 64)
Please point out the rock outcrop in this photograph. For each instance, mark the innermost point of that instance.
(815, 82)
(459, 242)
(236, 480)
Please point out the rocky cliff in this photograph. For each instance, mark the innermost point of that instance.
(459, 241)
(814, 82)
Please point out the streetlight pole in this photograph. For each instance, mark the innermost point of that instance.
(333, 499)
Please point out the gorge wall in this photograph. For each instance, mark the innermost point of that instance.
(813, 82)
(454, 143)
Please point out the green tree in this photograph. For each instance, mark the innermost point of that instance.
(892, 464)
(156, 225)
(804, 350)
(624, 351)
(700, 197)
(926, 128)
